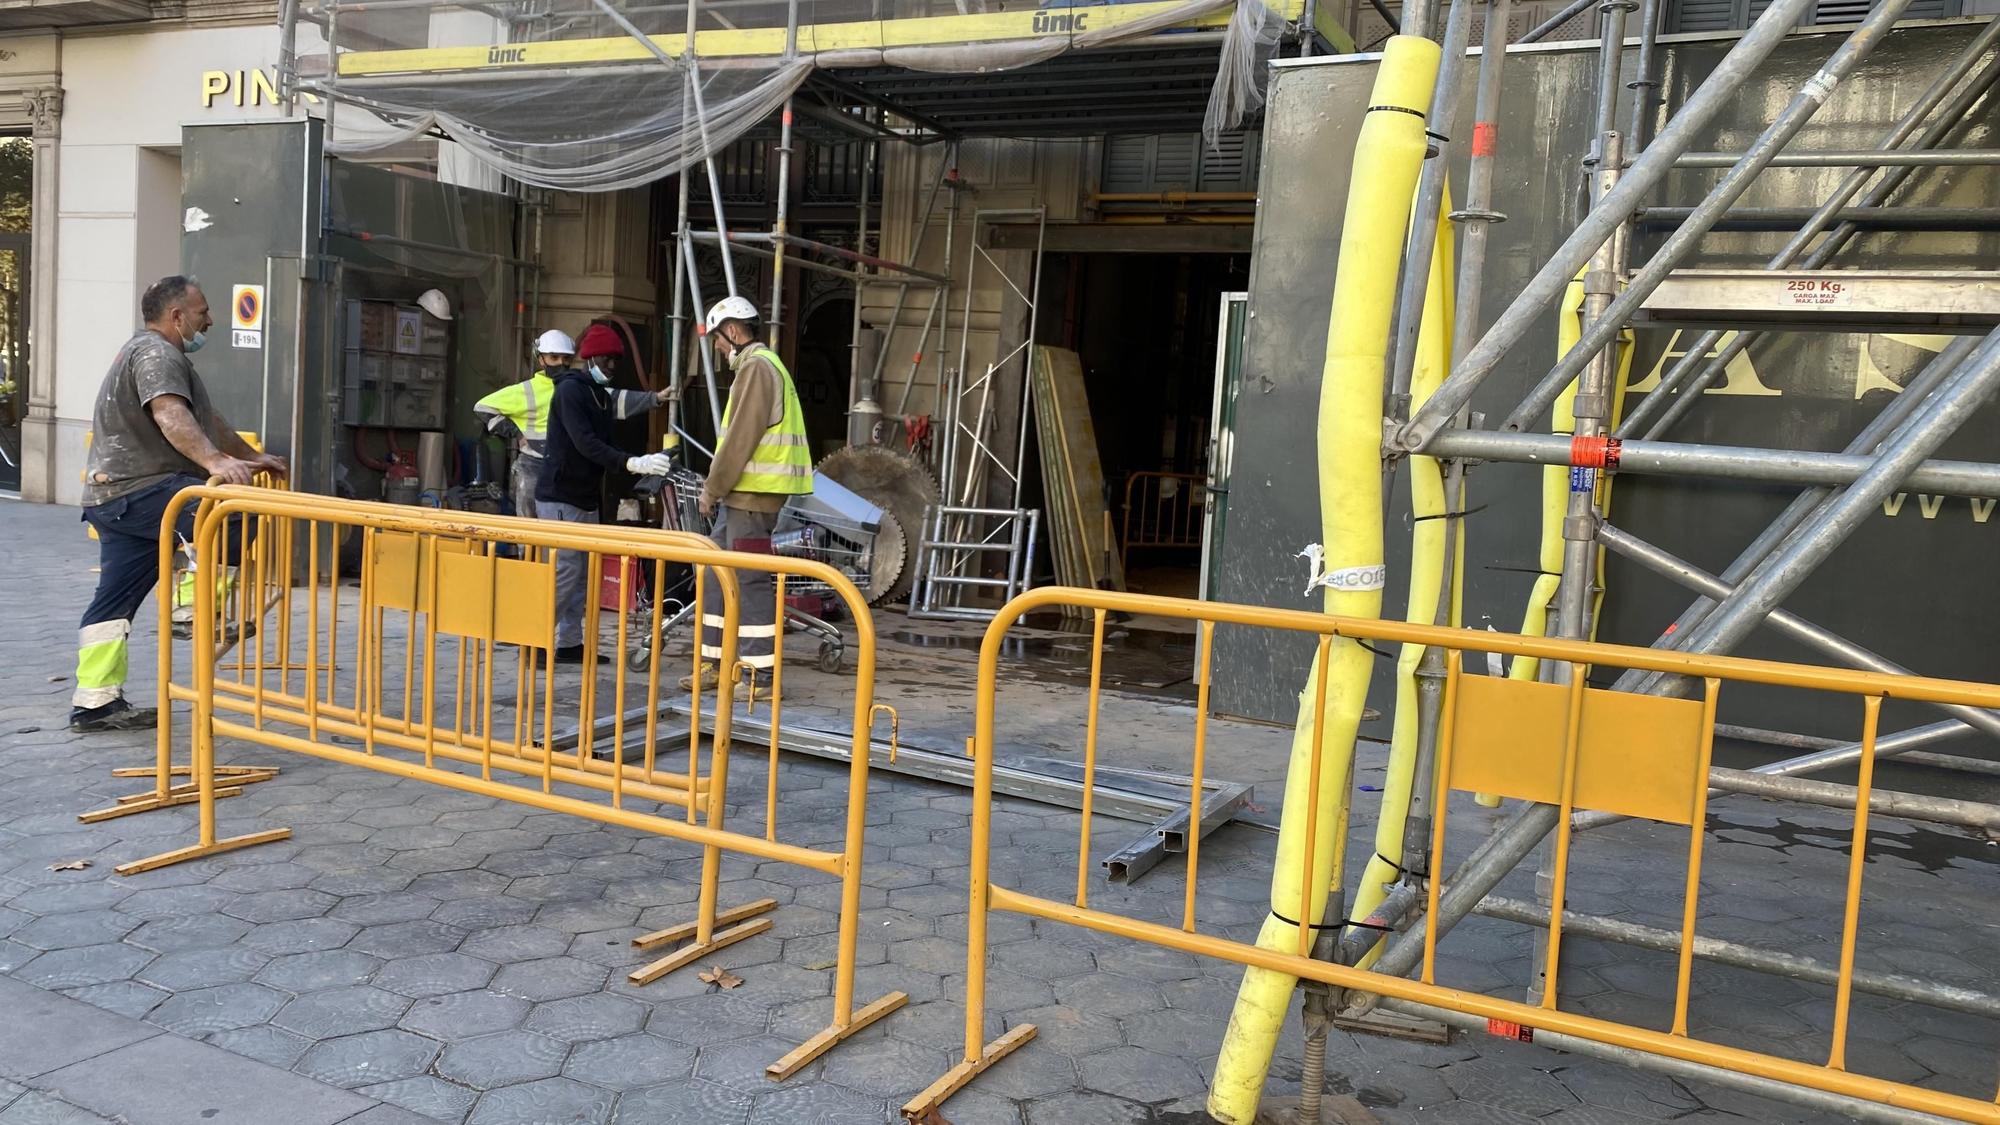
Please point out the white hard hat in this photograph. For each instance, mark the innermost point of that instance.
(435, 303)
(730, 308)
(554, 342)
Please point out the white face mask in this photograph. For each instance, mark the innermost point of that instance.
(598, 373)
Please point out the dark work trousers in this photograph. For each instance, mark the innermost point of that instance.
(757, 614)
(128, 537)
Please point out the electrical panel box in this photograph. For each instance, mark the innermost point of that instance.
(393, 366)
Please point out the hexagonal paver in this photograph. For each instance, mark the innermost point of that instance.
(265, 877)
(550, 979)
(889, 1067)
(217, 1009)
(373, 1056)
(583, 917)
(690, 1102)
(518, 854)
(316, 972)
(1045, 960)
(303, 936)
(386, 909)
(190, 931)
(508, 944)
(1108, 995)
(484, 913)
(408, 939)
(740, 1063)
(434, 974)
(550, 1101)
(37, 1108)
(203, 968)
(68, 931)
(502, 1059)
(1029, 1073)
(703, 1020)
(264, 1043)
(629, 1062)
(582, 1018)
(451, 886)
(281, 906)
(1075, 1032)
(427, 1096)
(90, 964)
(822, 1104)
(126, 997)
(1142, 1075)
(342, 1011)
(1081, 1108)
(466, 1015)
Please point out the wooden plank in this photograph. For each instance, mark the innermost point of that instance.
(1089, 515)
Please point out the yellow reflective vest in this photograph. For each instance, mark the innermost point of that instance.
(526, 404)
(782, 462)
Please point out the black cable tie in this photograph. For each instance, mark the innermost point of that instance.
(1397, 867)
(1371, 926)
(1376, 651)
(1416, 113)
(1314, 925)
(1452, 515)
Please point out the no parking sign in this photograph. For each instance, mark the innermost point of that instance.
(246, 316)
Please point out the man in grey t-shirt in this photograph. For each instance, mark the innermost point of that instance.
(153, 433)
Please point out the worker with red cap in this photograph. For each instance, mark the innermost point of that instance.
(579, 453)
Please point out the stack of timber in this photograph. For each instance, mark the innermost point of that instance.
(1081, 540)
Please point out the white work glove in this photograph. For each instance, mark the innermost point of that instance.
(649, 465)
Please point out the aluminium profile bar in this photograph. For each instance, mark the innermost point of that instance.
(1857, 158)
(1906, 806)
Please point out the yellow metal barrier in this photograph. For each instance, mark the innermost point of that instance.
(1162, 510)
(433, 578)
(1572, 746)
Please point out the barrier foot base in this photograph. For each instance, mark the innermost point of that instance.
(183, 771)
(234, 778)
(823, 1042)
(954, 1080)
(202, 851)
(687, 930)
(147, 802)
(682, 958)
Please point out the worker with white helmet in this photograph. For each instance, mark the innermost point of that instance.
(761, 459)
(520, 412)
(576, 453)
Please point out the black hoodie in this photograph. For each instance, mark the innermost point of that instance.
(579, 443)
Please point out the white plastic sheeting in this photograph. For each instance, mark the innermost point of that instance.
(608, 126)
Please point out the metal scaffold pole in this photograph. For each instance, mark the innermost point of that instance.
(1598, 332)
(780, 226)
(1601, 222)
(1683, 383)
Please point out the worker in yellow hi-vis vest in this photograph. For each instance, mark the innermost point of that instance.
(761, 460)
(521, 412)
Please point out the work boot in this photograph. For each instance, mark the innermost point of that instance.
(115, 715)
(569, 654)
(710, 678)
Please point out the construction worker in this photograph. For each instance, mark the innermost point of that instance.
(761, 460)
(521, 412)
(153, 433)
(577, 453)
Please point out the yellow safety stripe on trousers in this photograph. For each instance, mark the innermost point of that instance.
(100, 662)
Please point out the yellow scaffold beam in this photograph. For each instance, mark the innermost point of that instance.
(769, 42)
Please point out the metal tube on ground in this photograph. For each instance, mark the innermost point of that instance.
(1864, 443)
(1811, 94)
(1645, 173)
(1839, 1107)
(1791, 965)
(1908, 806)
(1661, 408)
(1969, 388)
(1719, 462)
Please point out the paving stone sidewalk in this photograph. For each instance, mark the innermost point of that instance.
(465, 960)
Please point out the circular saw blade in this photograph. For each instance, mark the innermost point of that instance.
(904, 488)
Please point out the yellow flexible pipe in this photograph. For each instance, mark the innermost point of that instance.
(1427, 536)
(1387, 158)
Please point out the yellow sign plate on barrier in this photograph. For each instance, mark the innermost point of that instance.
(1638, 755)
(401, 578)
(505, 601)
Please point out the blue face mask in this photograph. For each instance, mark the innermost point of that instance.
(194, 345)
(598, 373)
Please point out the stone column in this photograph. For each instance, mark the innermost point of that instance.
(38, 429)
